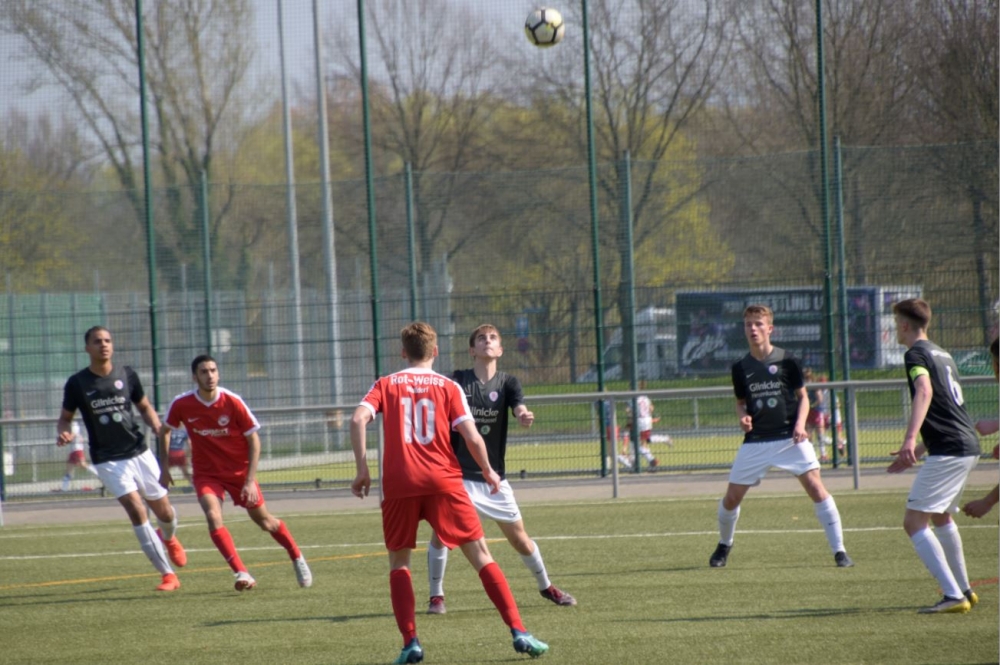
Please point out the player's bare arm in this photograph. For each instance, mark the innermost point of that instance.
(799, 433)
(64, 428)
(906, 455)
(477, 448)
(163, 455)
(523, 415)
(148, 413)
(362, 482)
(250, 493)
(746, 422)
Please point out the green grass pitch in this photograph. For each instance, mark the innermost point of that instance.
(83, 593)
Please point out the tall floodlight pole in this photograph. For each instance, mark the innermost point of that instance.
(369, 185)
(595, 236)
(831, 361)
(825, 207)
(292, 214)
(329, 253)
(148, 193)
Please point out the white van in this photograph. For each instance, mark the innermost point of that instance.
(656, 345)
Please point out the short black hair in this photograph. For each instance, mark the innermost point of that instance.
(199, 360)
(91, 330)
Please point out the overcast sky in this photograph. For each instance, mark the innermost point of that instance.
(504, 20)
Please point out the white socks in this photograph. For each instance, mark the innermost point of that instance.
(829, 519)
(152, 547)
(534, 563)
(932, 554)
(168, 529)
(437, 560)
(727, 524)
(951, 543)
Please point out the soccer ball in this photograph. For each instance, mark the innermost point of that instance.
(544, 27)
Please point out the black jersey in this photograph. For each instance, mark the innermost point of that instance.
(768, 387)
(947, 429)
(105, 402)
(490, 403)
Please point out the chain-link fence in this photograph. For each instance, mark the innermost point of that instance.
(480, 207)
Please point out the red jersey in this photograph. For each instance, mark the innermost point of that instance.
(218, 431)
(420, 408)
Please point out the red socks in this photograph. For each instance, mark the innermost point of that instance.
(499, 592)
(224, 542)
(404, 603)
(284, 538)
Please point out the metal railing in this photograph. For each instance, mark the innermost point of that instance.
(303, 447)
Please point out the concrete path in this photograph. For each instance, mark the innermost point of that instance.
(70, 511)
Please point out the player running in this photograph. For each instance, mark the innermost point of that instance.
(422, 480)
(491, 394)
(225, 449)
(104, 395)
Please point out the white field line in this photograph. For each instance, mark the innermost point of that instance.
(617, 536)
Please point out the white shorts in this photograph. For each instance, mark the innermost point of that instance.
(137, 474)
(754, 459)
(499, 507)
(939, 484)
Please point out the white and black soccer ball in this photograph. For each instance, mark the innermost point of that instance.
(544, 27)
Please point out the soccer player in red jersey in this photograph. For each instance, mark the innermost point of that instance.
(422, 479)
(225, 449)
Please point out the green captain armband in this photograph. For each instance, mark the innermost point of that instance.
(918, 371)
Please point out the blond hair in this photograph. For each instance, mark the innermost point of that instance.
(419, 340)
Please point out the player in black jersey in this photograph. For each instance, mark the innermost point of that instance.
(949, 437)
(491, 394)
(104, 395)
(772, 405)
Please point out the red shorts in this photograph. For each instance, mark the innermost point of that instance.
(644, 437)
(76, 457)
(177, 458)
(818, 418)
(219, 486)
(452, 516)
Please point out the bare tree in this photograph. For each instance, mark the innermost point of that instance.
(955, 61)
(655, 65)
(772, 97)
(433, 90)
(197, 54)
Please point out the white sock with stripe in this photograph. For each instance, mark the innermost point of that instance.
(535, 564)
(829, 519)
(152, 547)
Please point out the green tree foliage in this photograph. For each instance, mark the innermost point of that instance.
(41, 165)
(197, 55)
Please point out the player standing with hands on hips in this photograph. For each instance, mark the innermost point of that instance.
(225, 449)
(422, 480)
(772, 405)
(491, 394)
(104, 395)
(949, 437)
